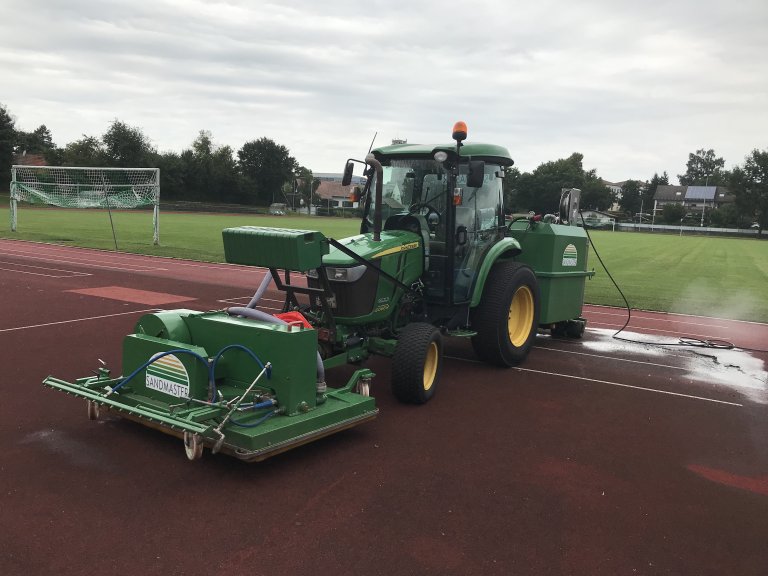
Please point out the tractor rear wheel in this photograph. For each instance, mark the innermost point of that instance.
(416, 363)
(507, 319)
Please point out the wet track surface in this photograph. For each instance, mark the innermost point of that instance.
(596, 456)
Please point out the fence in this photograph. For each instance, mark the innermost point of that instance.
(689, 230)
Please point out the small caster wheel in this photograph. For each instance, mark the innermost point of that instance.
(93, 410)
(364, 387)
(575, 328)
(193, 445)
(559, 330)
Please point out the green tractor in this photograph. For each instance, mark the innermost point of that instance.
(435, 258)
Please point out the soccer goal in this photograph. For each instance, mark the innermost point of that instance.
(70, 187)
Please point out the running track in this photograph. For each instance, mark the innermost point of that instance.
(596, 456)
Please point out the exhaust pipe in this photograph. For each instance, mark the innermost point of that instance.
(370, 159)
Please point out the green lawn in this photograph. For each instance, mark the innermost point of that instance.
(719, 277)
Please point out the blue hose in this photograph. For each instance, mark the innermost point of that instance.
(211, 368)
(261, 420)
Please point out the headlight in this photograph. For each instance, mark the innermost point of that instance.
(351, 274)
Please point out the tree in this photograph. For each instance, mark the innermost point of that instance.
(594, 194)
(509, 186)
(88, 151)
(39, 141)
(127, 146)
(749, 183)
(265, 165)
(673, 213)
(210, 171)
(540, 190)
(304, 183)
(649, 191)
(171, 175)
(727, 216)
(7, 138)
(704, 169)
(631, 200)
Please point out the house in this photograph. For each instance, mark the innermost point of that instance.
(333, 194)
(692, 197)
(614, 187)
(25, 159)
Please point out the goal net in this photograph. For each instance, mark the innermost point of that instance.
(69, 187)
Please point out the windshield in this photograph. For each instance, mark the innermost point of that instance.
(421, 185)
(409, 182)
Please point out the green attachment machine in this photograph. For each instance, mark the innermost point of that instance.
(435, 258)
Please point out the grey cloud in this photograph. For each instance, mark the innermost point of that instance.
(632, 86)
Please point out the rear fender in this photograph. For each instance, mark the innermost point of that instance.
(504, 249)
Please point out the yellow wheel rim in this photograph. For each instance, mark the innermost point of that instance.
(520, 320)
(430, 365)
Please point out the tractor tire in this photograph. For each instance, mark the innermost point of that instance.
(416, 363)
(507, 319)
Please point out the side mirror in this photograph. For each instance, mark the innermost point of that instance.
(348, 169)
(461, 235)
(476, 173)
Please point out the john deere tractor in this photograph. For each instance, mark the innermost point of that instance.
(435, 258)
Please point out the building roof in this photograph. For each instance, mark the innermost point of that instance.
(669, 193)
(29, 160)
(701, 193)
(688, 194)
(330, 189)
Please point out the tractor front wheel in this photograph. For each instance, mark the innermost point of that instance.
(416, 363)
(507, 319)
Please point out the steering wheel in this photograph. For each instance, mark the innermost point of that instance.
(419, 206)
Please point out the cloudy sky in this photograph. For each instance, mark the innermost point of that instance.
(634, 86)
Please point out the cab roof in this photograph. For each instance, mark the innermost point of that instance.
(477, 150)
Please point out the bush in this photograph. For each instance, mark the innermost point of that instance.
(673, 213)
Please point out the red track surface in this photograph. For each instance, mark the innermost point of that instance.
(594, 457)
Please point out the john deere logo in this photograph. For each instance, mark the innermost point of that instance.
(169, 376)
(570, 255)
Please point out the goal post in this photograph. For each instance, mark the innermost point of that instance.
(80, 187)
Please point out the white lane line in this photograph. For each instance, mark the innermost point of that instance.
(610, 357)
(44, 268)
(609, 383)
(654, 315)
(246, 299)
(646, 330)
(717, 322)
(130, 259)
(46, 275)
(79, 320)
(84, 262)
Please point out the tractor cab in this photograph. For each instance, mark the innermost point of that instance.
(449, 195)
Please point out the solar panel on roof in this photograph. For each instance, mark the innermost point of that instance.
(700, 192)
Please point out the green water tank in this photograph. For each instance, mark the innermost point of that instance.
(558, 256)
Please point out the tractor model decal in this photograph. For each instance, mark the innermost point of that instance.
(570, 255)
(169, 376)
(403, 248)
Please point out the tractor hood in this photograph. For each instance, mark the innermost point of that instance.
(392, 242)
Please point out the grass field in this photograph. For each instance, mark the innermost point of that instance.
(720, 277)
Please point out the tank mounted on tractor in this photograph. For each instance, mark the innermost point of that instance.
(435, 258)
